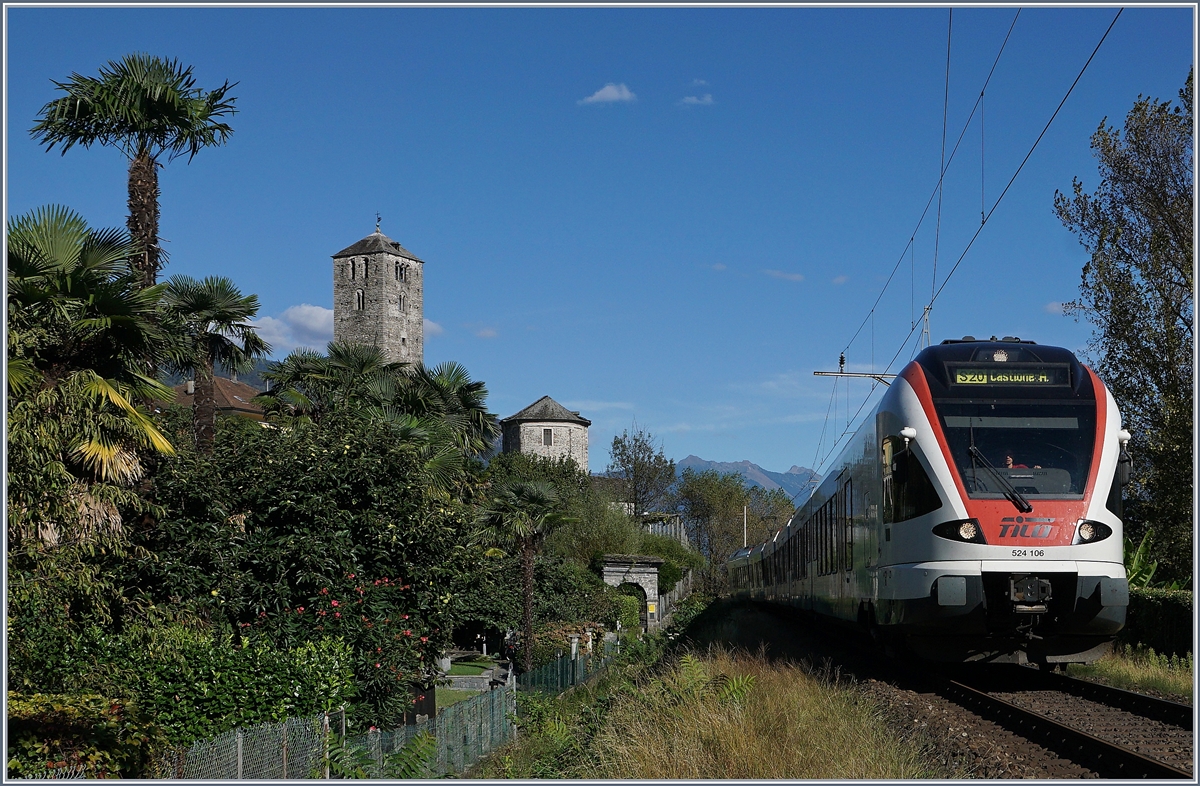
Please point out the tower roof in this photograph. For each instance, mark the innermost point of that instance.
(377, 243)
(546, 408)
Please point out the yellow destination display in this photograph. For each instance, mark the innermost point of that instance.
(977, 375)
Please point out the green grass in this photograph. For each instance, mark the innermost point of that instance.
(447, 696)
(470, 669)
(708, 717)
(1140, 668)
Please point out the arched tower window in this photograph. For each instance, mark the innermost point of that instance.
(358, 300)
(399, 273)
(366, 267)
(353, 269)
(400, 302)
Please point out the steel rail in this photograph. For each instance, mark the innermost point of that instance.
(1152, 707)
(1101, 756)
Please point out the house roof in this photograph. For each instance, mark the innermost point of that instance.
(231, 397)
(546, 408)
(377, 243)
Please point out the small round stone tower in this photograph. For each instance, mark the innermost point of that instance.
(547, 428)
(378, 298)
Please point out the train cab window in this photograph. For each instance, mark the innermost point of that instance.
(907, 490)
(1043, 448)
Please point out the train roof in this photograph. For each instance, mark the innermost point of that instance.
(935, 361)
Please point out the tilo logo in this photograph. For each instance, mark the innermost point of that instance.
(1026, 527)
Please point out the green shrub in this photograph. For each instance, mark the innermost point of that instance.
(196, 685)
(1160, 619)
(103, 737)
(629, 611)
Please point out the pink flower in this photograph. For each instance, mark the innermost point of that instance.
(337, 614)
(299, 609)
(262, 614)
(324, 591)
(333, 603)
(408, 633)
(424, 638)
(405, 616)
(376, 665)
(351, 575)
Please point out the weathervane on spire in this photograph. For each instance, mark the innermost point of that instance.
(377, 220)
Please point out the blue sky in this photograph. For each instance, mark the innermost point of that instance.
(666, 215)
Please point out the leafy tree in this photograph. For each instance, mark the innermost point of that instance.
(712, 505)
(146, 107)
(315, 531)
(212, 319)
(646, 474)
(521, 514)
(1137, 291)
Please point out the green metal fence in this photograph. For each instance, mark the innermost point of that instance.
(565, 672)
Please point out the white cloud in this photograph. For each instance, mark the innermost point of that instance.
(840, 280)
(486, 332)
(433, 329)
(783, 275)
(304, 325)
(704, 100)
(699, 82)
(610, 93)
(718, 266)
(1054, 307)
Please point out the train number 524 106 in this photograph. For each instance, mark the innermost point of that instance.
(1028, 552)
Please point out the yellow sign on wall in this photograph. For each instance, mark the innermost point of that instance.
(651, 607)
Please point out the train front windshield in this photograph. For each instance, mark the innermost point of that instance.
(1043, 448)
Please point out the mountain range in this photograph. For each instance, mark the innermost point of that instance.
(797, 481)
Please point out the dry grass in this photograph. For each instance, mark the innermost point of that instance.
(788, 724)
(1141, 668)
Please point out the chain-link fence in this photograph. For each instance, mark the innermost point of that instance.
(298, 748)
(558, 675)
(465, 731)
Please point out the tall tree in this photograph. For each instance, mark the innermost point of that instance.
(646, 474)
(520, 515)
(212, 317)
(146, 107)
(1137, 291)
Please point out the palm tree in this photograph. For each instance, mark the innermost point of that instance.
(145, 106)
(81, 331)
(520, 515)
(213, 317)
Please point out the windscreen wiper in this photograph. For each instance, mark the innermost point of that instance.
(1011, 493)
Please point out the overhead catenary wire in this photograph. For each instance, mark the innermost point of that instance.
(910, 247)
(939, 289)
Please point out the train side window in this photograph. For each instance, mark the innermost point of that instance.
(1115, 502)
(907, 490)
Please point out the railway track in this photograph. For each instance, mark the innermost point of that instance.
(1114, 733)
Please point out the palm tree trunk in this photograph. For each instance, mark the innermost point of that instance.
(143, 215)
(527, 593)
(204, 408)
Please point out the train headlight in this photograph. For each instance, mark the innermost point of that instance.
(1088, 531)
(962, 530)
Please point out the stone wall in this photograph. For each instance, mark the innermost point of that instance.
(569, 439)
(390, 314)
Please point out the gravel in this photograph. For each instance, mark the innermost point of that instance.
(962, 742)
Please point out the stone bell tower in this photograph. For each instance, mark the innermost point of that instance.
(378, 298)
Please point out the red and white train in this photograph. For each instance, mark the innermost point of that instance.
(975, 515)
